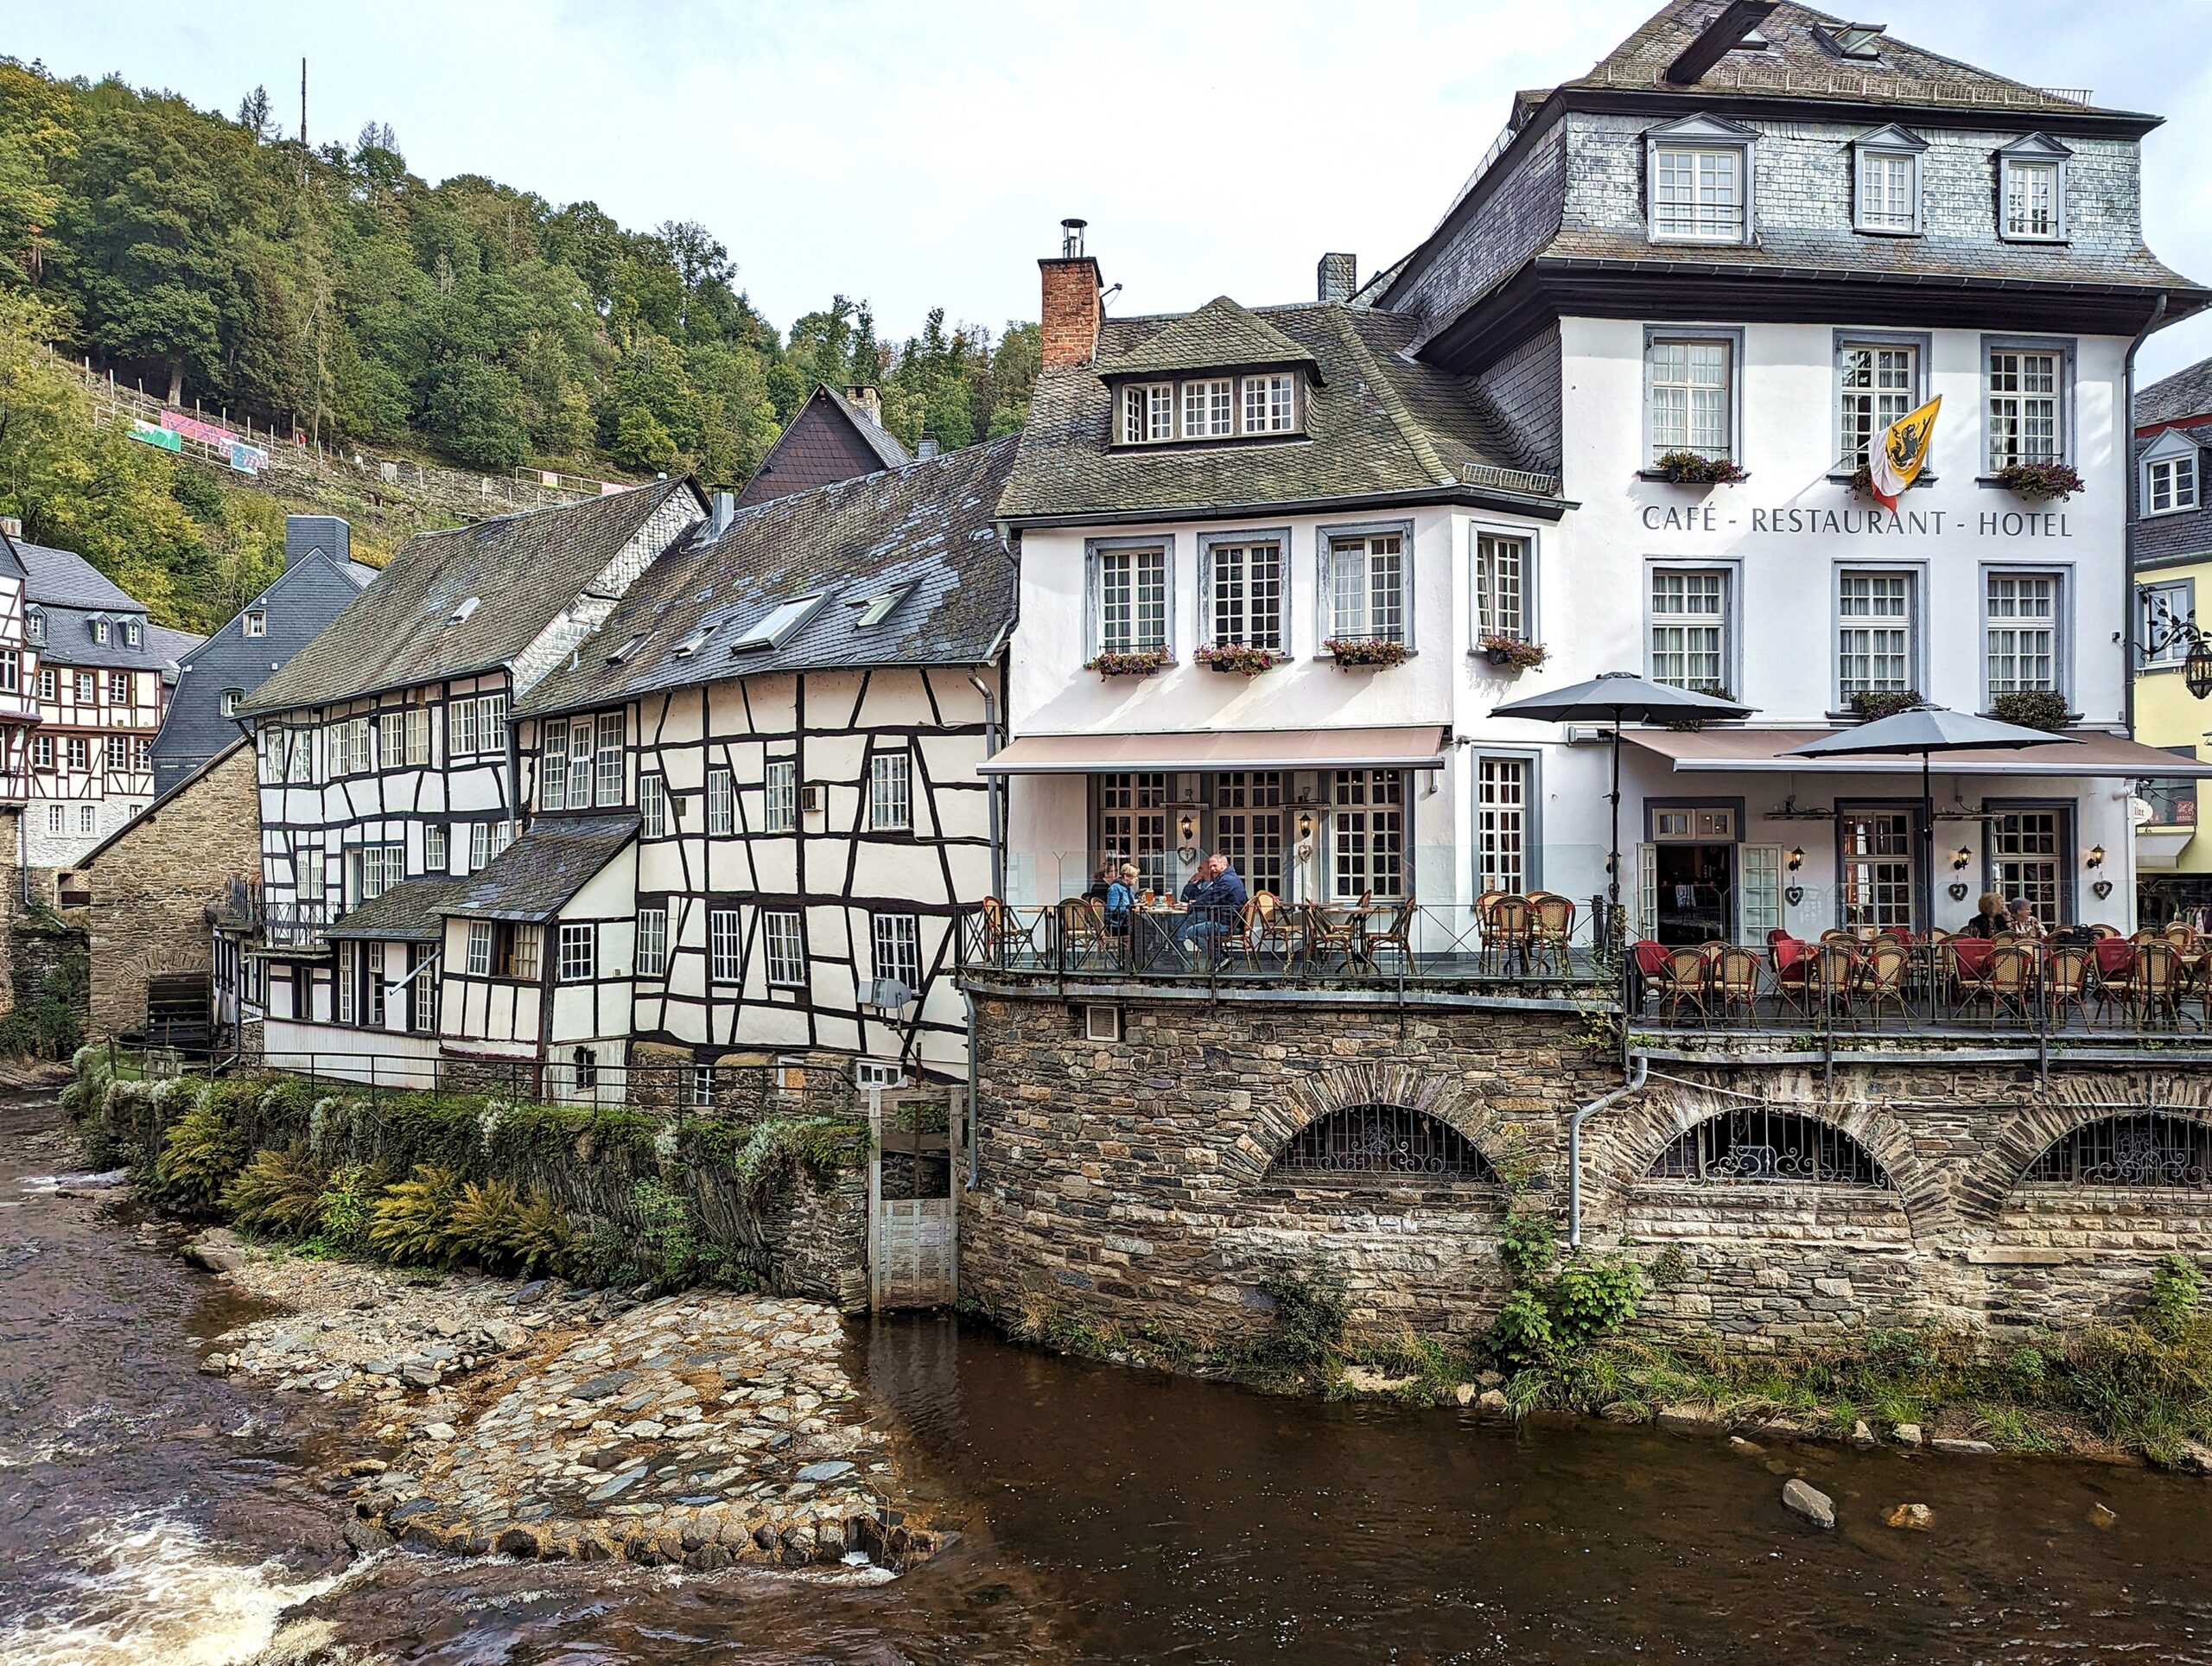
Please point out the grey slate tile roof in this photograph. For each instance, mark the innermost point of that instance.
(2184, 538)
(1219, 335)
(525, 569)
(1379, 423)
(2186, 393)
(927, 529)
(71, 592)
(61, 578)
(534, 878)
(887, 446)
(830, 439)
(413, 911)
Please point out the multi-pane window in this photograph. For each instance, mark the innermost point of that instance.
(1133, 825)
(1501, 586)
(1889, 191)
(1132, 600)
(1691, 382)
(303, 764)
(2024, 390)
(87, 687)
(391, 738)
(256, 623)
(49, 685)
(1366, 587)
(2031, 203)
(1208, 412)
(88, 818)
(2171, 484)
(425, 988)
(1874, 633)
(118, 751)
(890, 790)
(1248, 825)
(434, 857)
(1689, 629)
(349, 976)
(10, 671)
(1270, 404)
(479, 948)
(2026, 848)
(722, 804)
(80, 752)
(141, 754)
(1371, 833)
(553, 790)
(653, 805)
(479, 845)
(779, 795)
(581, 754)
(653, 942)
(1247, 582)
(2021, 623)
(579, 959)
(42, 752)
(725, 952)
(1148, 412)
(1501, 826)
(119, 688)
(1878, 383)
(1697, 195)
(1877, 856)
(610, 758)
(376, 987)
(899, 948)
(2162, 611)
(57, 819)
(702, 1087)
(350, 747)
(381, 866)
(514, 951)
(785, 946)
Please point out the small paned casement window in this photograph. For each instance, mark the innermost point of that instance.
(256, 623)
(80, 752)
(1368, 818)
(350, 752)
(890, 790)
(88, 818)
(722, 804)
(391, 738)
(435, 854)
(42, 752)
(383, 866)
(2169, 484)
(1131, 604)
(582, 753)
(424, 1019)
(1245, 594)
(35, 625)
(1148, 412)
(783, 943)
(1364, 586)
(119, 688)
(2032, 190)
(303, 764)
(1270, 403)
(11, 670)
(118, 751)
(475, 725)
(1213, 407)
(133, 632)
(1689, 629)
(553, 789)
(1501, 576)
(653, 805)
(1700, 181)
(49, 685)
(1691, 388)
(1133, 825)
(1209, 410)
(349, 975)
(779, 795)
(1877, 382)
(1502, 824)
(653, 942)
(87, 687)
(897, 941)
(479, 948)
(1874, 633)
(232, 699)
(514, 950)
(1886, 172)
(99, 630)
(2021, 624)
(57, 819)
(578, 960)
(610, 758)
(702, 1087)
(377, 986)
(479, 845)
(725, 955)
(2027, 390)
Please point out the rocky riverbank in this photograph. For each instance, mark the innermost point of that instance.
(529, 1419)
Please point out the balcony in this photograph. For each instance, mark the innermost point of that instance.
(277, 925)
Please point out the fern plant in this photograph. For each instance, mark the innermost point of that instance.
(279, 1191)
(413, 1221)
(199, 1156)
(494, 1225)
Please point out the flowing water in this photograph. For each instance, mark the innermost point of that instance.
(151, 1514)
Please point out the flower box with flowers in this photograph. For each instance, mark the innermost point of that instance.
(1238, 657)
(1130, 662)
(1360, 653)
(2040, 482)
(1514, 653)
(1691, 468)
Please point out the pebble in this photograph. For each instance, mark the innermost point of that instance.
(1906, 1434)
(1919, 1518)
(1815, 1505)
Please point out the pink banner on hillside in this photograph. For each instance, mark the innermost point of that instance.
(193, 429)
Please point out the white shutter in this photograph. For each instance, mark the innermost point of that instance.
(1647, 890)
(1759, 895)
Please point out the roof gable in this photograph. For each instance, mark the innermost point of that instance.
(830, 439)
(1891, 136)
(1702, 129)
(2171, 442)
(1220, 335)
(2035, 147)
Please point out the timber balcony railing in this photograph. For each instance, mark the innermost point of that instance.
(1538, 942)
(280, 925)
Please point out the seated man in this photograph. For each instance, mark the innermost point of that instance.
(1215, 898)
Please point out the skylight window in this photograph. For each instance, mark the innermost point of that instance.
(467, 606)
(875, 609)
(692, 644)
(628, 648)
(776, 628)
(1859, 40)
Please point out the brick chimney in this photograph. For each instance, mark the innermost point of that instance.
(1072, 302)
(1336, 278)
(869, 401)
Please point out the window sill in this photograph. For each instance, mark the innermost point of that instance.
(2178, 509)
(2058, 242)
(1662, 479)
(1222, 439)
(1991, 483)
(1366, 664)
(1887, 231)
(1660, 240)
(2073, 720)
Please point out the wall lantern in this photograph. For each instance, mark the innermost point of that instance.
(2096, 858)
(1960, 858)
(2196, 669)
(1796, 858)
(1304, 825)
(1189, 827)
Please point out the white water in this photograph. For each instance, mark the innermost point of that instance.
(151, 1592)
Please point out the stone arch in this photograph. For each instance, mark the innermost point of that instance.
(2073, 1103)
(1307, 1099)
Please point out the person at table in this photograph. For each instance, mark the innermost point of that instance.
(1991, 920)
(1100, 883)
(2020, 919)
(1215, 899)
(1120, 897)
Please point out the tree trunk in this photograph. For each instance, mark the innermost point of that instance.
(176, 382)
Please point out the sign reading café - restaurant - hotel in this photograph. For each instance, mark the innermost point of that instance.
(1856, 522)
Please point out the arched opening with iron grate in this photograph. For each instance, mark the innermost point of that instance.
(1754, 1146)
(1381, 1142)
(2150, 1150)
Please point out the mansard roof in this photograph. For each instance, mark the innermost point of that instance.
(1379, 426)
(2175, 398)
(1220, 335)
(925, 531)
(534, 878)
(522, 569)
(73, 593)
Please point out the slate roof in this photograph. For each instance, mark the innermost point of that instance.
(2186, 393)
(889, 449)
(525, 568)
(413, 911)
(1378, 424)
(928, 529)
(830, 439)
(61, 578)
(71, 591)
(534, 878)
(1219, 335)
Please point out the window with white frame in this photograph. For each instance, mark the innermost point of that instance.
(349, 976)
(461, 729)
(42, 752)
(514, 949)
(1691, 388)
(1133, 825)
(11, 670)
(99, 630)
(350, 752)
(582, 753)
(119, 688)
(479, 845)
(1368, 819)
(118, 752)
(1148, 412)
(553, 788)
(722, 804)
(1689, 629)
(1889, 190)
(779, 791)
(1207, 407)
(890, 790)
(377, 986)
(425, 988)
(479, 948)
(2169, 484)
(306, 878)
(578, 960)
(57, 819)
(783, 944)
(255, 622)
(232, 699)
(35, 625)
(2162, 610)
(1209, 410)
(80, 752)
(1697, 194)
(1501, 826)
(1245, 603)
(380, 867)
(88, 818)
(1270, 403)
(1501, 576)
(725, 947)
(2027, 389)
(1874, 633)
(303, 764)
(652, 943)
(87, 687)
(391, 738)
(2032, 191)
(1877, 382)
(133, 632)
(1364, 585)
(899, 948)
(653, 805)
(435, 856)
(2021, 624)
(141, 754)
(1131, 606)
(610, 758)
(49, 685)
(702, 1087)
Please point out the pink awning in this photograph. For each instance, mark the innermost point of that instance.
(1418, 747)
(1766, 751)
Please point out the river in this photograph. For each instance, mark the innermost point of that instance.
(151, 1514)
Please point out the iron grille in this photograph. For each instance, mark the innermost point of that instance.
(1382, 1140)
(2149, 1150)
(1761, 1146)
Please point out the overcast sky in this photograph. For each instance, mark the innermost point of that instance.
(920, 156)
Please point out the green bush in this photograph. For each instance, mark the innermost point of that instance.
(658, 1246)
(1521, 1332)
(413, 1221)
(1312, 1307)
(279, 1193)
(1526, 1245)
(492, 1223)
(200, 1155)
(344, 1211)
(2173, 1295)
(1593, 1296)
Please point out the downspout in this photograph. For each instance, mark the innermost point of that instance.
(1639, 1072)
(2132, 498)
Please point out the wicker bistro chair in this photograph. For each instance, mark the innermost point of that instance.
(1682, 981)
(1506, 931)
(1736, 979)
(2010, 980)
(1333, 932)
(1085, 944)
(999, 934)
(1884, 974)
(1551, 929)
(1394, 932)
(2157, 982)
(2066, 984)
(2118, 963)
(1833, 974)
(1273, 932)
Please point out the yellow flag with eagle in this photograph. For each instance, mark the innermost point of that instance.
(1896, 462)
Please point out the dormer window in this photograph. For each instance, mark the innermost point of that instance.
(133, 632)
(1270, 404)
(1888, 170)
(1148, 412)
(35, 625)
(1209, 412)
(2172, 471)
(257, 622)
(2032, 190)
(1209, 408)
(99, 630)
(1700, 181)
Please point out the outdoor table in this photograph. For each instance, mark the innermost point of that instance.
(1152, 940)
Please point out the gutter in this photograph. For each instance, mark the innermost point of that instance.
(1511, 503)
(1639, 1074)
(2132, 498)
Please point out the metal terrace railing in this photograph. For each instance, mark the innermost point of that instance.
(295, 924)
(1845, 84)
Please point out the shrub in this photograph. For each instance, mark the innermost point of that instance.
(200, 1155)
(1311, 1309)
(492, 1223)
(413, 1221)
(1593, 1296)
(1868, 704)
(279, 1191)
(1521, 1332)
(2042, 708)
(1526, 1245)
(2173, 1295)
(659, 1247)
(345, 1209)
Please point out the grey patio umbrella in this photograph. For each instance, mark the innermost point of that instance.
(1926, 730)
(1618, 698)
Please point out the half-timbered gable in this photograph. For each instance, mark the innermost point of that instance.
(19, 712)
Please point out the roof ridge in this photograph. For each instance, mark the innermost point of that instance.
(1386, 395)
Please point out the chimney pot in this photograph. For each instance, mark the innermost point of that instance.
(868, 400)
(1073, 303)
(1336, 278)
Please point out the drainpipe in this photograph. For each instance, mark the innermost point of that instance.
(1639, 1071)
(2134, 507)
(975, 1104)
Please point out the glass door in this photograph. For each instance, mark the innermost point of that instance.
(1875, 885)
